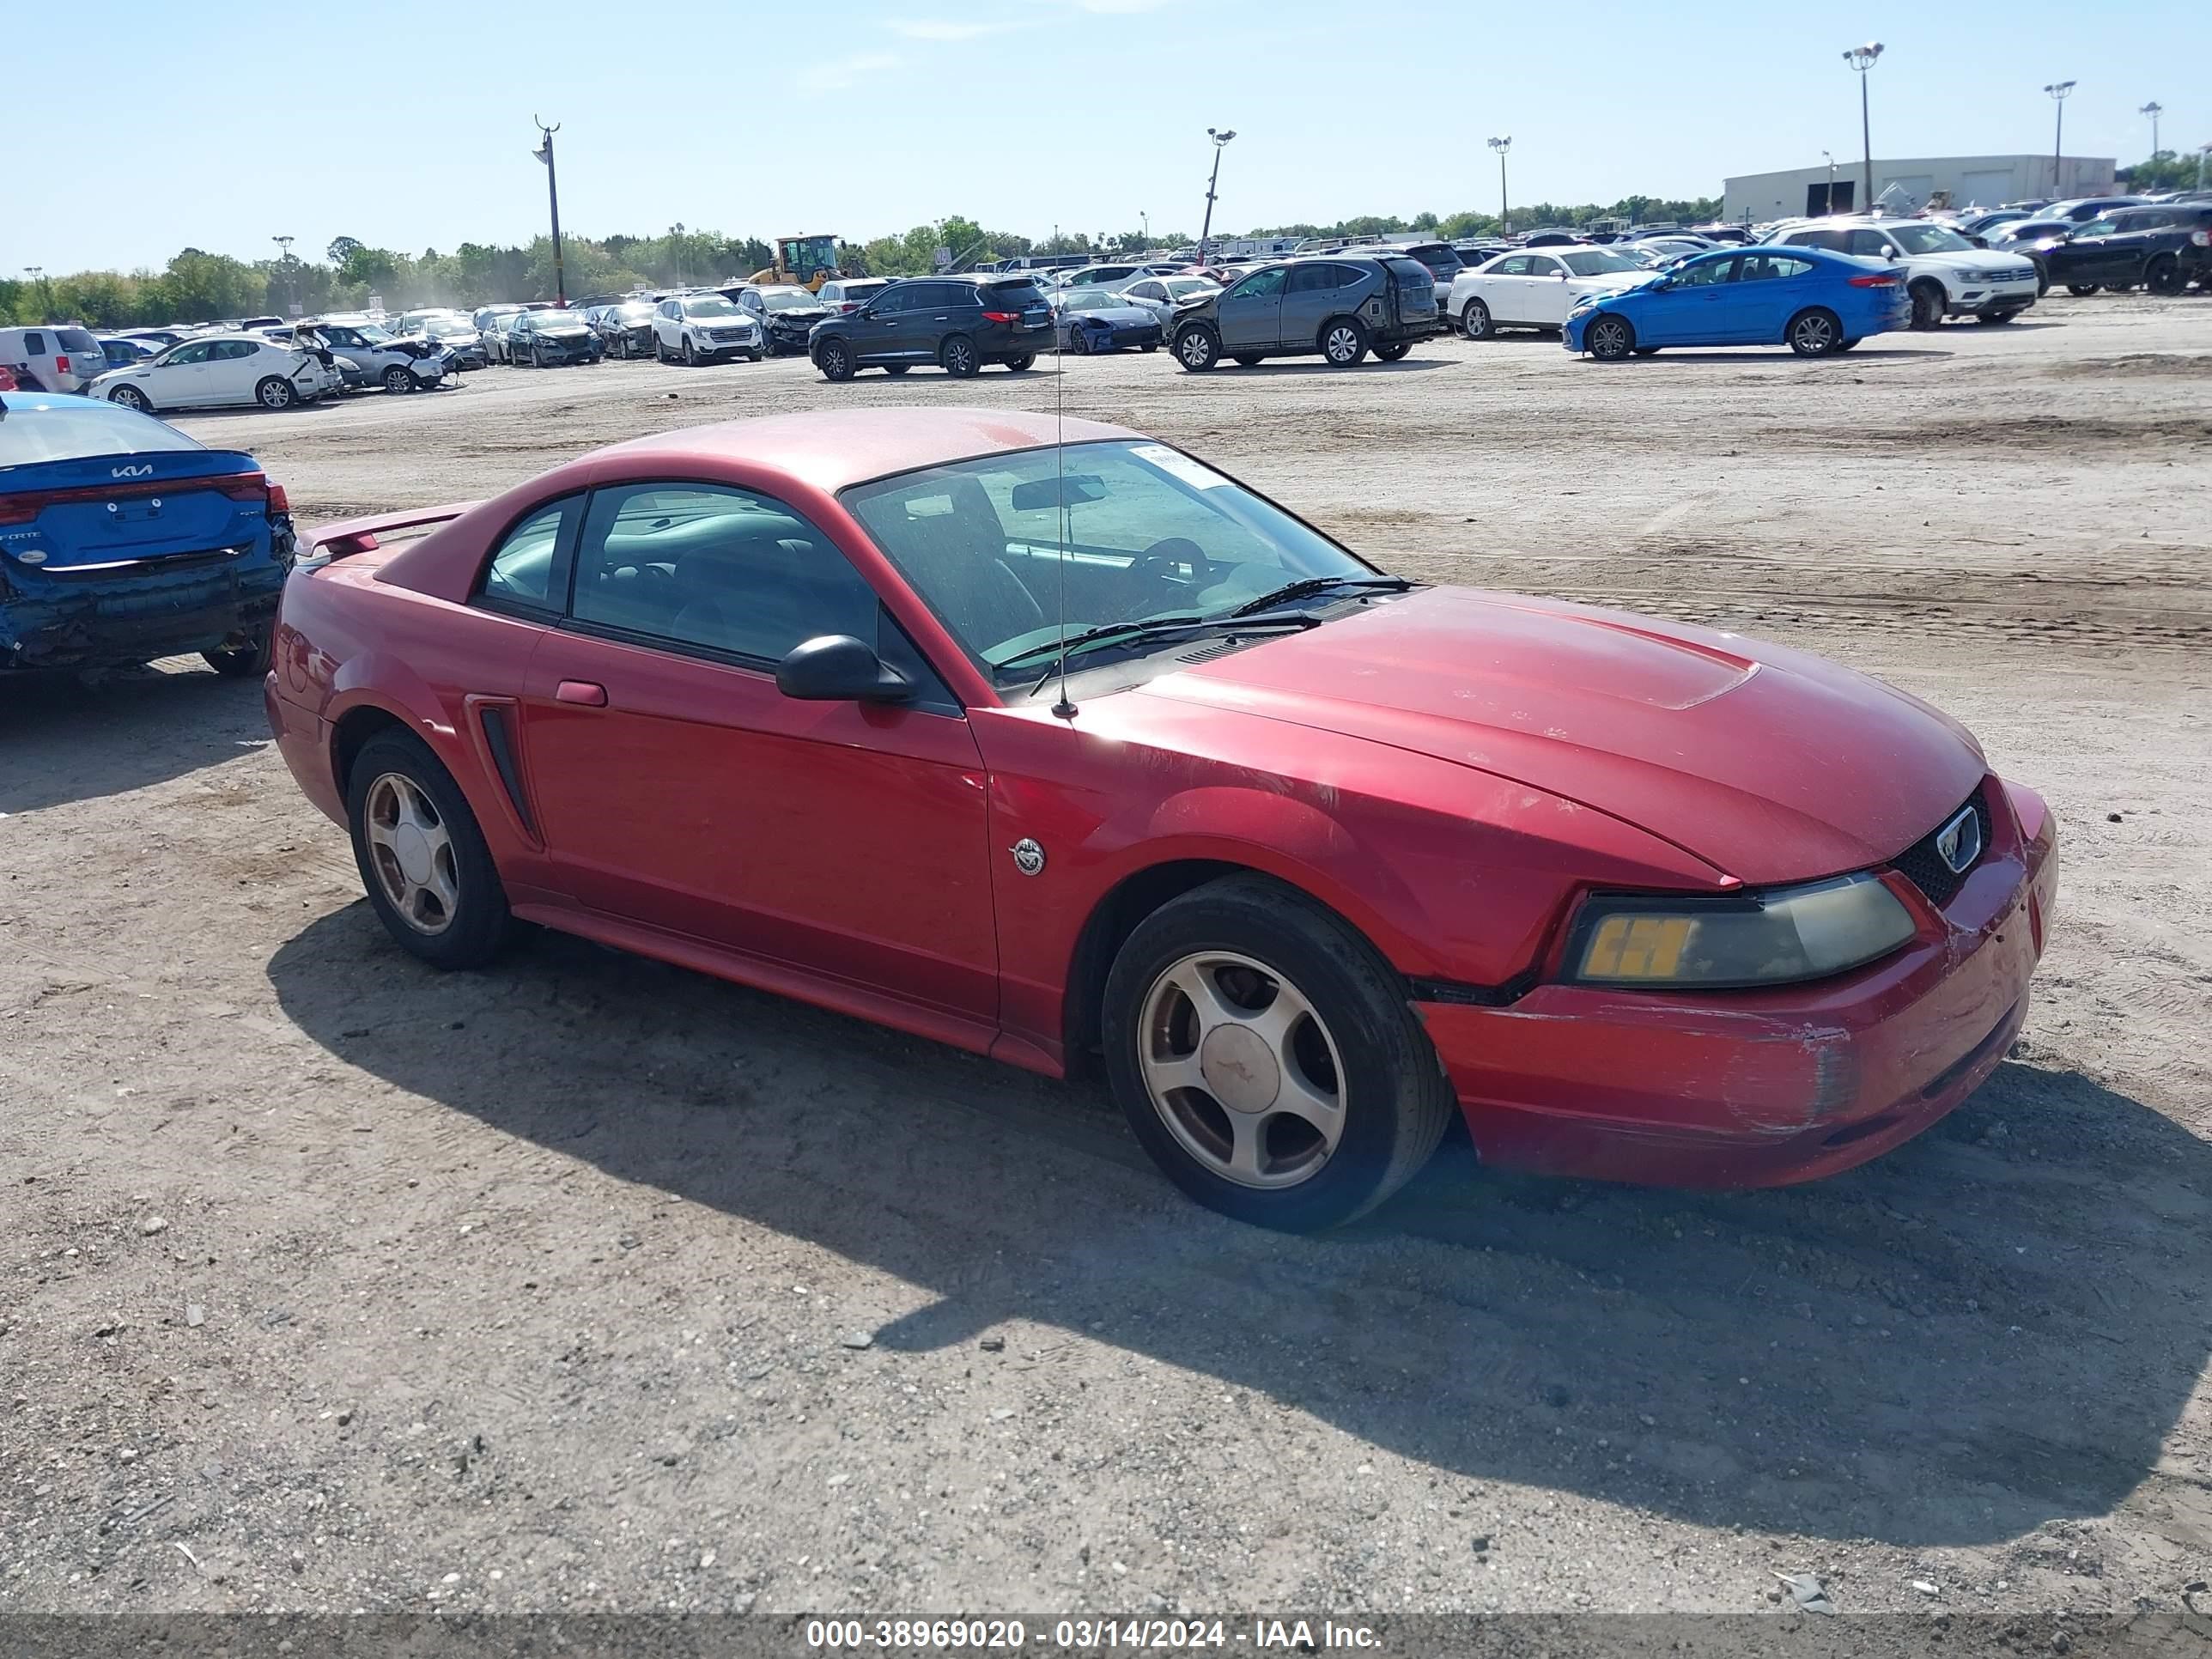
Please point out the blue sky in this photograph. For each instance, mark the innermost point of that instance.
(408, 123)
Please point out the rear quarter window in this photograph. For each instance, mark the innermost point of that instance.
(76, 339)
(1013, 296)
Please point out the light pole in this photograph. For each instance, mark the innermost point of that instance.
(2058, 91)
(37, 274)
(1147, 218)
(1831, 207)
(1862, 59)
(544, 152)
(2203, 151)
(284, 266)
(1504, 221)
(2153, 109)
(676, 249)
(1206, 231)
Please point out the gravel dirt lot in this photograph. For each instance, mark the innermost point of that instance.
(330, 1283)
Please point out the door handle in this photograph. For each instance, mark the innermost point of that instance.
(586, 693)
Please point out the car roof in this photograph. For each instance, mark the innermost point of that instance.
(832, 449)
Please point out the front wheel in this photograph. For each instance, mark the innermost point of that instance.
(1846, 345)
(1078, 342)
(129, 397)
(1344, 343)
(957, 356)
(397, 378)
(1389, 354)
(835, 359)
(424, 862)
(1265, 1056)
(1988, 317)
(690, 354)
(1610, 339)
(1016, 364)
(1928, 303)
(1475, 322)
(1198, 348)
(1816, 333)
(2083, 290)
(896, 369)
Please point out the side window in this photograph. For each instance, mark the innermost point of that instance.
(892, 301)
(525, 570)
(720, 568)
(226, 349)
(1518, 265)
(1702, 273)
(1870, 244)
(1266, 285)
(1312, 279)
(34, 343)
(194, 353)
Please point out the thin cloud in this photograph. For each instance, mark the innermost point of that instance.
(1121, 8)
(941, 28)
(841, 72)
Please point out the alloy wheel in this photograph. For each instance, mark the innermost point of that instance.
(411, 851)
(1814, 335)
(1242, 1070)
(1342, 344)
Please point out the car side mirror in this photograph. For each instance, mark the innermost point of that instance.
(838, 668)
(1980, 242)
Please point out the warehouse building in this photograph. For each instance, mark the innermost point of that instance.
(1907, 186)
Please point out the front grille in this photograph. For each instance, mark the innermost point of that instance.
(1923, 866)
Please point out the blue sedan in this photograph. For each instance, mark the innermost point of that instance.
(1812, 301)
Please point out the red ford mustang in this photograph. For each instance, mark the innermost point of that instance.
(1049, 749)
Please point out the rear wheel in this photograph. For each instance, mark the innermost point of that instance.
(1389, 354)
(131, 398)
(1814, 332)
(957, 357)
(2083, 290)
(1996, 317)
(247, 659)
(1928, 303)
(1016, 363)
(1344, 342)
(1610, 339)
(1266, 1058)
(1249, 363)
(2163, 274)
(896, 369)
(835, 359)
(424, 862)
(1475, 322)
(1653, 351)
(1198, 348)
(1845, 345)
(274, 392)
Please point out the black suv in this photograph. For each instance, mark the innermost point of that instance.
(958, 323)
(2165, 246)
(1336, 306)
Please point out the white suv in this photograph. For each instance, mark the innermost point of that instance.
(47, 359)
(1946, 275)
(699, 328)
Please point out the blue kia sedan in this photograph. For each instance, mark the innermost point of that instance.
(122, 540)
(1814, 302)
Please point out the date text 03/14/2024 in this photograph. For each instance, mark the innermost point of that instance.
(1161, 1635)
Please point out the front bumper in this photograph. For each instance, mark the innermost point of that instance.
(1984, 299)
(1754, 1089)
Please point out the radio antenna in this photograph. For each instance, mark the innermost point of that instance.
(1063, 709)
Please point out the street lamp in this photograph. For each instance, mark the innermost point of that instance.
(676, 249)
(285, 265)
(37, 274)
(1147, 218)
(1501, 145)
(2058, 91)
(1831, 207)
(544, 152)
(1862, 59)
(2153, 109)
(1206, 231)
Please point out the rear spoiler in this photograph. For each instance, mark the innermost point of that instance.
(336, 541)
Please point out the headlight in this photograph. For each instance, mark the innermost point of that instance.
(1774, 938)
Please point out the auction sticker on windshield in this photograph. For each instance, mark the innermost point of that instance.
(1177, 464)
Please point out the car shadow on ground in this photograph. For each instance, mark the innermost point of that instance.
(1276, 370)
(64, 738)
(1996, 1325)
(1666, 354)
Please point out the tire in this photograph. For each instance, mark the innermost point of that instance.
(1475, 322)
(835, 359)
(690, 354)
(896, 369)
(1990, 316)
(273, 391)
(2083, 290)
(1016, 363)
(1355, 1040)
(1198, 348)
(1155, 345)
(1610, 339)
(461, 906)
(2163, 274)
(1389, 354)
(129, 397)
(660, 351)
(1343, 342)
(1846, 345)
(1078, 342)
(397, 378)
(957, 356)
(1928, 302)
(1814, 332)
(1250, 361)
(242, 662)
(1653, 351)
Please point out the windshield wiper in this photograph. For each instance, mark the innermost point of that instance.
(1136, 633)
(1300, 589)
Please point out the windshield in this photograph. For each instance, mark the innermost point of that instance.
(372, 333)
(788, 299)
(71, 429)
(1930, 239)
(1182, 288)
(635, 311)
(709, 305)
(1598, 262)
(1089, 298)
(1150, 532)
(444, 328)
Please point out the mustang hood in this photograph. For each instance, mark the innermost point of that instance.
(1771, 765)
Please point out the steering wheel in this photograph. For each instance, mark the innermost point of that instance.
(1166, 561)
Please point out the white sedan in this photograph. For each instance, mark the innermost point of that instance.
(213, 369)
(1161, 295)
(1537, 287)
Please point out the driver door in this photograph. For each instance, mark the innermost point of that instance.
(880, 328)
(1693, 309)
(181, 378)
(1547, 291)
(679, 789)
(1251, 314)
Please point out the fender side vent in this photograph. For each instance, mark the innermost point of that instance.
(501, 745)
